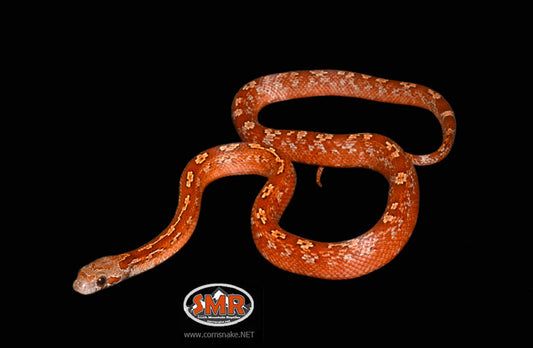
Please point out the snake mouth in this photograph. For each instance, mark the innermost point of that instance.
(82, 287)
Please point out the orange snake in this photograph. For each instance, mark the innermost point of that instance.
(269, 152)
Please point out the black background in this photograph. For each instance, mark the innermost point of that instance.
(130, 98)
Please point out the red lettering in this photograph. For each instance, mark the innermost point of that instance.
(236, 302)
(218, 308)
(199, 306)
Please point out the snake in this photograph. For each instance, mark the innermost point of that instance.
(270, 153)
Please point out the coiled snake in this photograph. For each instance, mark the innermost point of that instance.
(269, 152)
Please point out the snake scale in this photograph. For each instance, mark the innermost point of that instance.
(270, 153)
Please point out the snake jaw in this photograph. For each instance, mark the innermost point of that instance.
(82, 285)
(98, 275)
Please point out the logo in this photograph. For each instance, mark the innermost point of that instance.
(218, 304)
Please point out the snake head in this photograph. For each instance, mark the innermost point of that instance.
(99, 274)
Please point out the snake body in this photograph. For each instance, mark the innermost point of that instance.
(270, 153)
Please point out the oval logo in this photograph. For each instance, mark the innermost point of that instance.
(218, 304)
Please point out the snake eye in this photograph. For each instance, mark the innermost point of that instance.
(101, 281)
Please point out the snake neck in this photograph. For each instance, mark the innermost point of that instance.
(165, 245)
